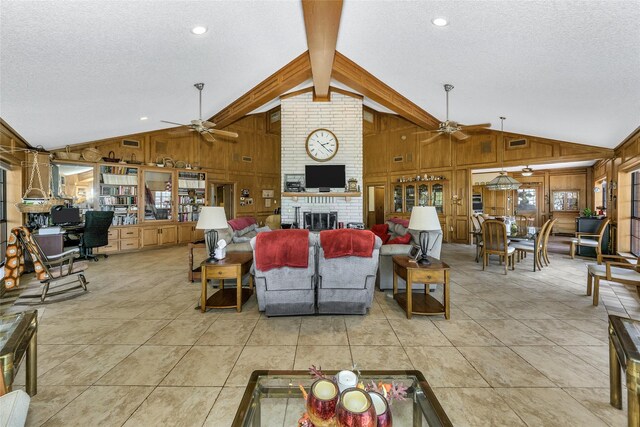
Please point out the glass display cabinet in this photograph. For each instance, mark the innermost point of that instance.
(158, 190)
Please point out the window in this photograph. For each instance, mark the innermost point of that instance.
(3, 215)
(635, 213)
(526, 199)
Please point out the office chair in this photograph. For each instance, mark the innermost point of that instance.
(96, 232)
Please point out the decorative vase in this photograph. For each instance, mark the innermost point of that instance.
(321, 403)
(355, 409)
(383, 412)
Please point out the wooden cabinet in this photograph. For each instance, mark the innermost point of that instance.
(121, 239)
(188, 233)
(498, 202)
(406, 195)
(159, 235)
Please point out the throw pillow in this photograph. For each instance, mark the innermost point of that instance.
(247, 229)
(402, 240)
(380, 229)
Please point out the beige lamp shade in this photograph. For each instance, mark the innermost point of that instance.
(212, 218)
(424, 218)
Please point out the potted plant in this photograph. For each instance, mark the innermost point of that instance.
(587, 213)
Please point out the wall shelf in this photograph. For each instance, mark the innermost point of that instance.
(346, 195)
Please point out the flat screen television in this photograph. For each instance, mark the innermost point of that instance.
(331, 176)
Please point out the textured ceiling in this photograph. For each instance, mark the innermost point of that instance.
(78, 71)
(567, 70)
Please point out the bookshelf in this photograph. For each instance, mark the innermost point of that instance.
(119, 193)
(192, 195)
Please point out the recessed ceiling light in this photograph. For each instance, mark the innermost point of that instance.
(439, 22)
(199, 30)
(144, 118)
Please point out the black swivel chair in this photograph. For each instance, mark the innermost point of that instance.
(96, 232)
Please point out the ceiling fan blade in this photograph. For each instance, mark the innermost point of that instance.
(423, 131)
(173, 123)
(479, 126)
(226, 133)
(459, 135)
(208, 124)
(433, 138)
(208, 137)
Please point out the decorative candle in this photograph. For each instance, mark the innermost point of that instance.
(355, 409)
(321, 403)
(346, 379)
(383, 412)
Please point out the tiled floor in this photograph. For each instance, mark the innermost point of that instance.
(523, 349)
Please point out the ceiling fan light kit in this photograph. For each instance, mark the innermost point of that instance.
(503, 182)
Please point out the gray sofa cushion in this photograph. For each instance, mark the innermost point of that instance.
(346, 285)
(287, 291)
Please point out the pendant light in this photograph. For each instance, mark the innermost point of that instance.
(503, 182)
(527, 171)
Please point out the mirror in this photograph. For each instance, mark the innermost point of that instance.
(74, 184)
(157, 195)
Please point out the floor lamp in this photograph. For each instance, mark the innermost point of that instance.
(424, 219)
(212, 219)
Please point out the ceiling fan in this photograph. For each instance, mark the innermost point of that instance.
(203, 127)
(451, 128)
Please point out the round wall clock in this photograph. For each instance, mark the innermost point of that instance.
(322, 145)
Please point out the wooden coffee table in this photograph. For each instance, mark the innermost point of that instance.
(233, 266)
(415, 302)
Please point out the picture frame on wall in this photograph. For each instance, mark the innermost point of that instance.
(565, 200)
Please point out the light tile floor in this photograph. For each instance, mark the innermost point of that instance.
(522, 349)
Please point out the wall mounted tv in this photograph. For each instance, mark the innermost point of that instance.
(331, 176)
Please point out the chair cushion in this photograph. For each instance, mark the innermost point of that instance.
(586, 242)
(78, 267)
(616, 272)
(13, 408)
(510, 250)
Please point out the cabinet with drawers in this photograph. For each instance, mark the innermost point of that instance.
(159, 235)
(121, 239)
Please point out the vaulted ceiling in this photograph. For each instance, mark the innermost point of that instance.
(77, 71)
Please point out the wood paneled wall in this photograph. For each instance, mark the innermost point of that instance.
(251, 161)
(617, 171)
(392, 149)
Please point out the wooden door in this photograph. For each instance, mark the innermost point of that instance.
(185, 233)
(378, 204)
(500, 203)
(150, 236)
(168, 235)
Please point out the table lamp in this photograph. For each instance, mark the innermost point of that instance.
(212, 218)
(424, 219)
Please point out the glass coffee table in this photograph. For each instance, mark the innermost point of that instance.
(274, 398)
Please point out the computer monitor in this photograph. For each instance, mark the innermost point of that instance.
(65, 216)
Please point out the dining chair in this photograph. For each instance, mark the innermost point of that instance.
(537, 248)
(545, 244)
(592, 240)
(494, 238)
(477, 238)
(616, 268)
(522, 222)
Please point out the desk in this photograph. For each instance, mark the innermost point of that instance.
(437, 272)
(53, 244)
(234, 266)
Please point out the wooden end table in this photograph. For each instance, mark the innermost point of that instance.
(421, 303)
(233, 266)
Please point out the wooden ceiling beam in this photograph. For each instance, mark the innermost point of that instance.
(322, 21)
(289, 76)
(351, 74)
